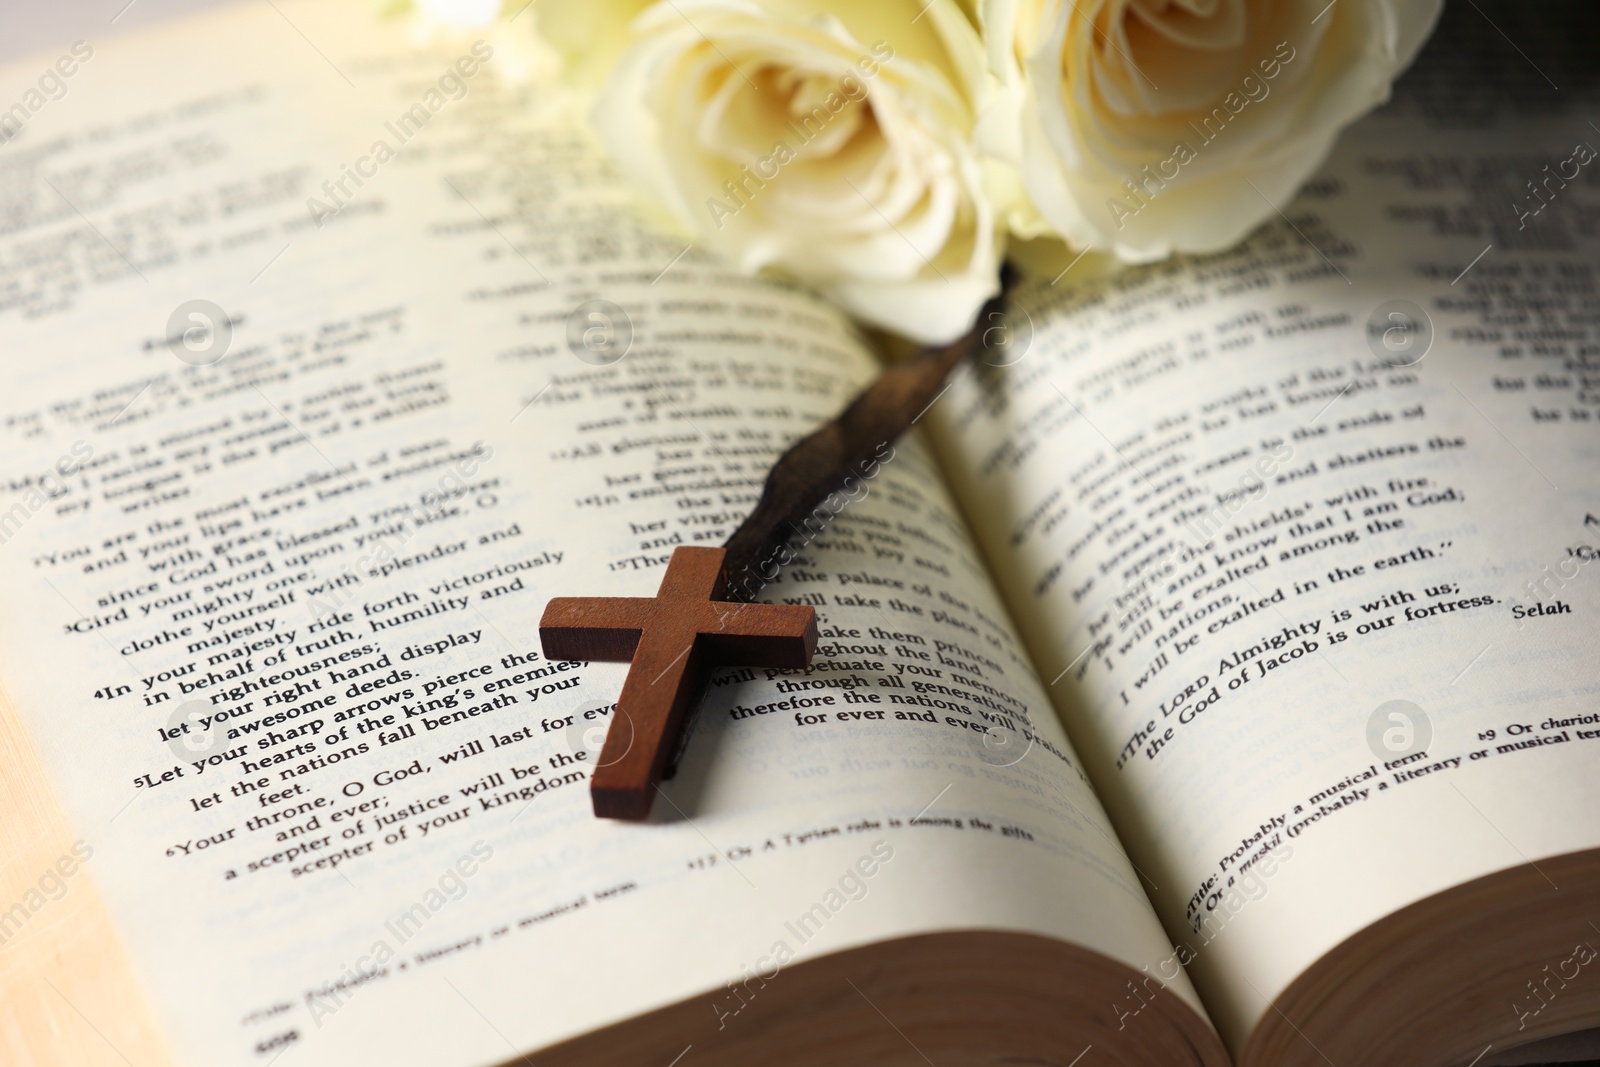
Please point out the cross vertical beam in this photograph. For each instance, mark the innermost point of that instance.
(674, 641)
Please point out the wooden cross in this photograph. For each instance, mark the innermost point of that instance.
(677, 637)
(674, 639)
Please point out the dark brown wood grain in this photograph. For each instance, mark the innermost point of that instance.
(674, 640)
(821, 464)
(702, 617)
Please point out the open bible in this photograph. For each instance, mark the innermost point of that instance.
(1209, 678)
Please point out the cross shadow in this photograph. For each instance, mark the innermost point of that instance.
(679, 798)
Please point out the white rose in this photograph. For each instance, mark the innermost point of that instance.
(1145, 127)
(832, 142)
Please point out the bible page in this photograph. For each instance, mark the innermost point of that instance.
(336, 354)
(1302, 534)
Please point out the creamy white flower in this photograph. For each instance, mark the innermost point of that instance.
(1145, 127)
(828, 141)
